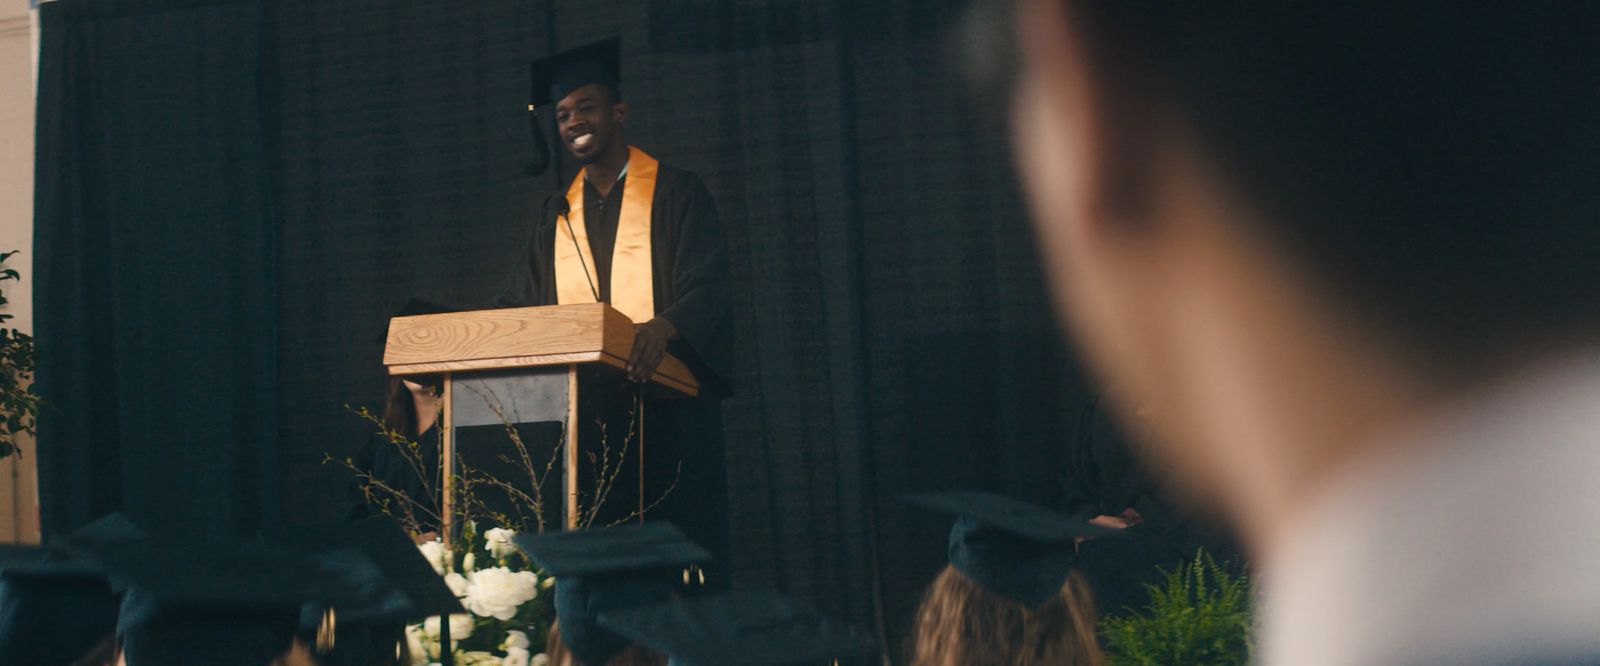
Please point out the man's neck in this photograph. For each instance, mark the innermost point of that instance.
(603, 172)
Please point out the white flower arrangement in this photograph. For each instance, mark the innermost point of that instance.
(498, 592)
(505, 603)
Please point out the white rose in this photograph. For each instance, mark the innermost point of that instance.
(540, 659)
(457, 584)
(468, 561)
(497, 592)
(499, 540)
(516, 639)
(515, 657)
(477, 658)
(460, 626)
(433, 551)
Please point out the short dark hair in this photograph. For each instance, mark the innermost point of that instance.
(1436, 165)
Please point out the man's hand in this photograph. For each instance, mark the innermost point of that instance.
(649, 347)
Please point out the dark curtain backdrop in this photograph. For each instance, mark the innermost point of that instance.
(892, 330)
(156, 267)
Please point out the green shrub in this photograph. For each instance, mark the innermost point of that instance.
(1199, 615)
(18, 402)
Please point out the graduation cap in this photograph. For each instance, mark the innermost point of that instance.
(394, 556)
(1018, 550)
(108, 530)
(225, 602)
(555, 77)
(606, 569)
(738, 628)
(53, 608)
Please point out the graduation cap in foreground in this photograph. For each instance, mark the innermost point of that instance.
(224, 602)
(393, 554)
(366, 629)
(1017, 550)
(555, 77)
(53, 608)
(105, 531)
(607, 569)
(738, 628)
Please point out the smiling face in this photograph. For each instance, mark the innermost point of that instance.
(589, 121)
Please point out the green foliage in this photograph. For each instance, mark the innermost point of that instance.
(19, 404)
(1199, 615)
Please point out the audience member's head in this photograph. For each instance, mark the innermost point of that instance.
(1286, 229)
(962, 623)
(606, 569)
(1010, 594)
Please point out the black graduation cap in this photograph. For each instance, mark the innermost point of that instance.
(382, 540)
(1015, 549)
(606, 569)
(53, 608)
(108, 530)
(414, 307)
(555, 77)
(738, 628)
(222, 602)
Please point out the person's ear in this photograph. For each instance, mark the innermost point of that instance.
(619, 112)
(1082, 115)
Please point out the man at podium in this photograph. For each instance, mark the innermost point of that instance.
(644, 237)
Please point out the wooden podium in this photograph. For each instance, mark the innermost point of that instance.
(524, 365)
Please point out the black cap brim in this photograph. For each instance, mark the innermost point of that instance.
(389, 547)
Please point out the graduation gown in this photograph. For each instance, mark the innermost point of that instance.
(689, 265)
(689, 268)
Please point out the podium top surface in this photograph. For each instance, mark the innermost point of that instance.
(552, 335)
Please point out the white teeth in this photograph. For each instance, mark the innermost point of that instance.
(582, 140)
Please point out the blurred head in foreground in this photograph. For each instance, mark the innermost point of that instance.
(1343, 258)
(1285, 230)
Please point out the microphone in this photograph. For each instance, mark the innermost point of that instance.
(563, 211)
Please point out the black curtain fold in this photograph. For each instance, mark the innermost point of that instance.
(200, 343)
(156, 267)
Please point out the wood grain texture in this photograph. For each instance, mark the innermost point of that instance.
(521, 338)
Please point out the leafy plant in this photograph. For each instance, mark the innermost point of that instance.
(483, 638)
(19, 404)
(1200, 614)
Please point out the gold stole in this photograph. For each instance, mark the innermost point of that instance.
(632, 280)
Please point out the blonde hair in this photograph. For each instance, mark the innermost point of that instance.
(962, 624)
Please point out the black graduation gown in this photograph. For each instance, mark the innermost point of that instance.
(689, 267)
